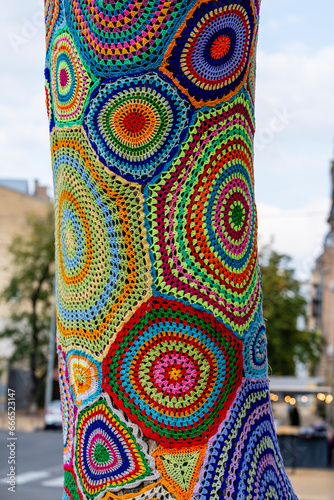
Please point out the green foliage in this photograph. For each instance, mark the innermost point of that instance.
(283, 307)
(29, 294)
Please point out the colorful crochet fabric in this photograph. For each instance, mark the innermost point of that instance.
(152, 492)
(162, 345)
(71, 486)
(255, 349)
(180, 469)
(70, 81)
(54, 18)
(68, 409)
(243, 460)
(85, 376)
(209, 56)
(99, 225)
(109, 454)
(48, 99)
(204, 239)
(174, 371)
(119, 37)
(136, 124)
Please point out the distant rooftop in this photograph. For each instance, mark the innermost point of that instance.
(21, 186)
(16, 185)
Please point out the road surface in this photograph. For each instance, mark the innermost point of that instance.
(38, 462)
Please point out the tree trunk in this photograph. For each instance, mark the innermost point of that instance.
(161, 338)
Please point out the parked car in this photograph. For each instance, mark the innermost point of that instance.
(52, 417)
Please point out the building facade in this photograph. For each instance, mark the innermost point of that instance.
(322, 298)
(15, 205)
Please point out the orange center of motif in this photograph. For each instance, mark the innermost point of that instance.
(175, 373)
(220, 47)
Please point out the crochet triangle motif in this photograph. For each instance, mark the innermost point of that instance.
(180, 468)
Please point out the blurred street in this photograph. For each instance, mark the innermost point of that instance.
(39, 470)
(313, 484)
(39, 466)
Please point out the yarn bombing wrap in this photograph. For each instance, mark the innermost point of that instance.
(174, 371)
(135, 125)
(161, 339)
(243, 460)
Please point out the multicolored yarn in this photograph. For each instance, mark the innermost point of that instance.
(151, 113)
(68, 409)
(70, 80)
(109, 454)
(243, 460)
(119, 37)
(48, 99)
(136, 124)
(180, 469)
(250, 83)
(255, 349)
(202, 218)
(152, 492)
(209, 56)
(102, 256)
(85, 376)
(71, 487)
(174, 371)
(54, 18)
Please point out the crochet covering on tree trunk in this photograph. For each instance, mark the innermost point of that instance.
(161, 340)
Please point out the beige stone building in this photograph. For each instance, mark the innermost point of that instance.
(322, 299)
(15, 205)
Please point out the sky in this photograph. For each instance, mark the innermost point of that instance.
(294, 141)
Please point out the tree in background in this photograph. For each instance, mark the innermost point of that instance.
(29, 294)
(284, 308)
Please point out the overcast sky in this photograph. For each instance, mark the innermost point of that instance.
(294, 113)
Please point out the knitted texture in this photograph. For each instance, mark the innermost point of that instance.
(180, 469)
(174, 371)
(54, 18)
(68, 409)
(119, 37)
(70, 81)
(109, 454)
(152, 492)
(85, 376)
(209, 56)
(255, 349)
(243, 460)
(71, 486)
(48, 99)
(99, 224)
(161, 338)
(135, 125)
(202, 219)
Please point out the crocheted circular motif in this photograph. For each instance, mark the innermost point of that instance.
(174, 371)
(117, 37)
(255, 349)
(99, 226)
(108, 454)
(71, 487)
(69, 80)
(203, 223)
(67, 407)
(85, 376)
(54, 17)
(243, 460)
(209, 56)
(136, 124)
